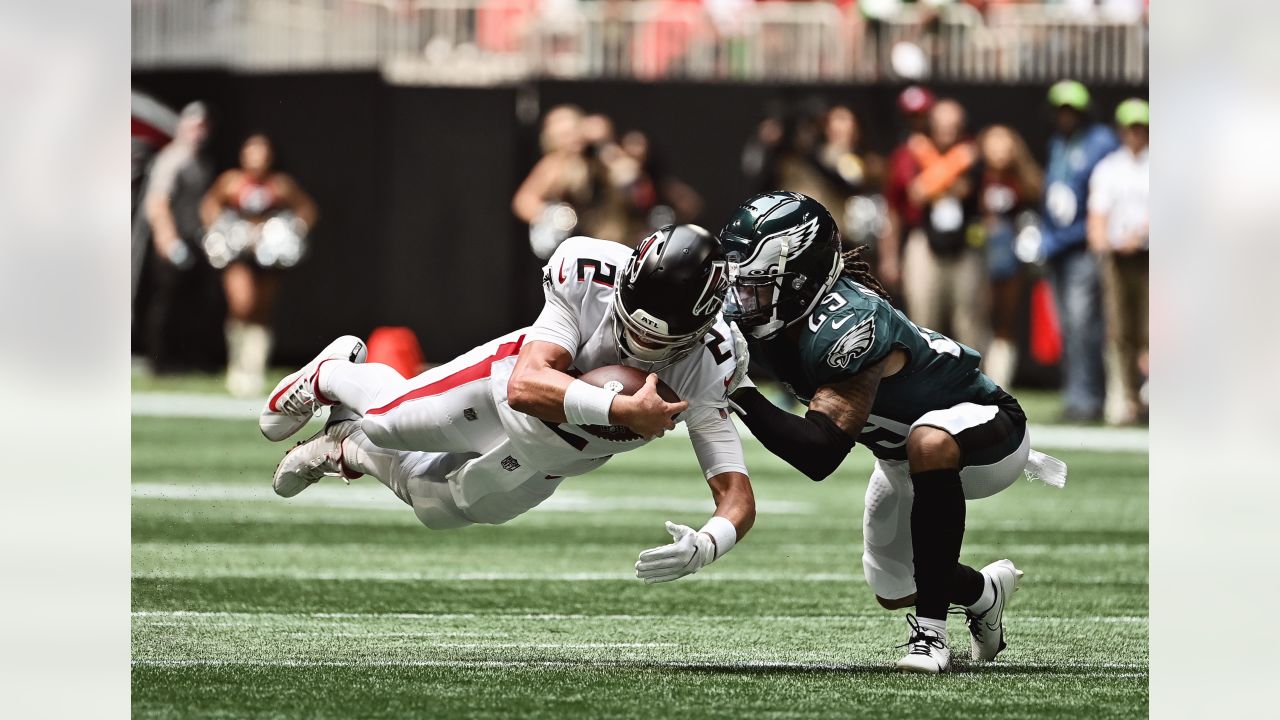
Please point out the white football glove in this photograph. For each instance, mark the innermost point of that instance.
(741, 357)
(742, 360)
(690, 551)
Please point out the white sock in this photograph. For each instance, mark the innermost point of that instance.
(938, 626)
(359, 386)
(986, 600)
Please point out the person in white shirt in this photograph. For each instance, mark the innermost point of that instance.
(1119, 231)
(491, 434)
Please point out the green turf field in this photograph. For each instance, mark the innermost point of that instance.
(337, 604)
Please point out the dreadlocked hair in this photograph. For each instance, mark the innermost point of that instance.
(859, 270)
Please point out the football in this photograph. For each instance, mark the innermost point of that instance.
(628, 380)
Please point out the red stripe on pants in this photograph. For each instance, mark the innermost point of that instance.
(479, 371)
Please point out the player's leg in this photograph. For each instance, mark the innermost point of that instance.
(886, 536)
(342, 449)
(418, 478)
(937, 530)
(994, 448)
(888, 561)
(887, 557)
(446, 409)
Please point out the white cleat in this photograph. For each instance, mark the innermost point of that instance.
(927, 651)
(311, 460)
(987, 629)
(293, 402)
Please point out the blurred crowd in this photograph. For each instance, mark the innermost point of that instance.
(962, 222)
(729, 38)
(1004, 247)
(1118, 9)
(591, 181)
(208, 249)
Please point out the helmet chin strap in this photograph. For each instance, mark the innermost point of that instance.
(640, 352)
(775, 325)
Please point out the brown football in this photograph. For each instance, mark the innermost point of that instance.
(630, 380)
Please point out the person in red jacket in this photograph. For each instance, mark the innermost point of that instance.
(914, 103)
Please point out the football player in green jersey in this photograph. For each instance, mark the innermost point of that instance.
(941, 431)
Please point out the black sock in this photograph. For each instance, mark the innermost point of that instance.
(937, 529)
(967, 585)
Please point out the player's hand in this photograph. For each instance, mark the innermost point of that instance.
(646, 413)
(690, 551)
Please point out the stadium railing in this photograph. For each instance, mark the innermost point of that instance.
(494, 41)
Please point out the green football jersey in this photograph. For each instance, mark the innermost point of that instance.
(852, 328)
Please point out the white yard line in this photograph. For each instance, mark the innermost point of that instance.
(1062, 437)
(284, 573)
(573, 617)
(1138, 669)
(373, 496)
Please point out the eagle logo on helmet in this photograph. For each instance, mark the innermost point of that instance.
(853, 344)
(799, 238)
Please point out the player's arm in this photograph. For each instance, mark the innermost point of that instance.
(539, 386)
(818, 442)
(719, 450)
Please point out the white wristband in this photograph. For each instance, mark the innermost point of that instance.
(723, 532)
(586, 404)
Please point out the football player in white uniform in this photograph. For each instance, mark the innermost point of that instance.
(491, 434)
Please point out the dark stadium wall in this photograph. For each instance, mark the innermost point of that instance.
(414, 183)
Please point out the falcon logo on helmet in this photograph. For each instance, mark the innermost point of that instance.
(670, 295)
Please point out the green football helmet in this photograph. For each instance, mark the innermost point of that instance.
(784, 254)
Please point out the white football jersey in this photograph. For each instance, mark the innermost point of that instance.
(578, 282)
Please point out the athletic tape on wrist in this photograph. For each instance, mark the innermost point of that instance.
(586, 404)
(723, 532)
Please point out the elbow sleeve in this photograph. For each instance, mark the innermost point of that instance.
(829, 446)
(812, 444)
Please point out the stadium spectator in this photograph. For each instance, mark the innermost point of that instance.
(759, 159)
(841, 172)
(253, 195)
(1119, 228)
(1075, 148)
(1009, 189)
(152, 125)
(914, 104)
(944, 277)
(818, 151)
(654, 196)
(177, 289)
(568, 190)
